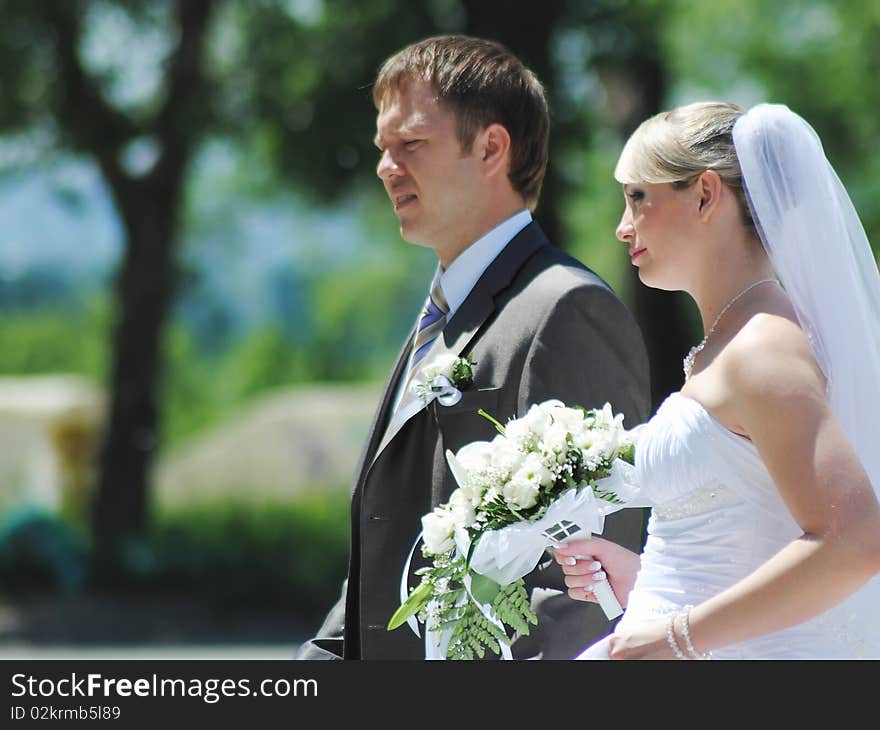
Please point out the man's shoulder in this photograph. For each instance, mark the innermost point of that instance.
(553, 272)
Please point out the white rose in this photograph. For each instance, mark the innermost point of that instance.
(539, 417)
(469, 467)
(437, 531)
(506, 456)
(521, 491)
(461, 508)
(601, 450)
(555, 439)
(569, 418)
(519, 431)
(440, 365)
(475, 456)
(551, 405)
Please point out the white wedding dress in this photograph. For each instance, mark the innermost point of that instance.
(716, 516)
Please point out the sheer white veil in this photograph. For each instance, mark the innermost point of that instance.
(821, 254)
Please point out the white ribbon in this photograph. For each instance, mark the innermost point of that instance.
(404, 587)
(439, 387)
(510, 553)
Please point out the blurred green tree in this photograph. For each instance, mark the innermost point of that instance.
(139, 85)
(57, 74)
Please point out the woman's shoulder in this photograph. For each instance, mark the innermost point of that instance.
(771, 354)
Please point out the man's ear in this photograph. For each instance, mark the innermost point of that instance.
(708, 187)
(494, 149)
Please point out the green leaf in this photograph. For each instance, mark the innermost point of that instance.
(484, 589)
(419, 596)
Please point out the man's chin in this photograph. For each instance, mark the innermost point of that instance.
(410, 235)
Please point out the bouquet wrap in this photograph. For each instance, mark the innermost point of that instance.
(551, 476)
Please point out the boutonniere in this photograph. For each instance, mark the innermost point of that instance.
(443, 378)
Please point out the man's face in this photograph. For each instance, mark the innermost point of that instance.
(435, 187)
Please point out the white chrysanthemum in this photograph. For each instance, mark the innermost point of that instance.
(437, 531)
(525, 484)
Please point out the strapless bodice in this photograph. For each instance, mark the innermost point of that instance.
(716, 516)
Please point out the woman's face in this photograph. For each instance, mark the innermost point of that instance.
(656, 226)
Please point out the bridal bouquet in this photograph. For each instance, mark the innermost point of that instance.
(553, 474)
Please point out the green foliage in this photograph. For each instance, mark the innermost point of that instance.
(817, 56)
(512, 607)
(472, 634)
(290, 555)
(41, 342)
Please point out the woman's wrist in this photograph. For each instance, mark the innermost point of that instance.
(684, 619)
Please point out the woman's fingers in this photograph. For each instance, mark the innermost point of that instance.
(585, 578)
(574, 548)
(581, 567)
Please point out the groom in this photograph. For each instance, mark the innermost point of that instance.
(462, 129)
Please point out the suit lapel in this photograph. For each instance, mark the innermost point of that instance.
(468, 319)
(378, 427)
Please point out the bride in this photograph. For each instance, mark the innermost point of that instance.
(764, 536)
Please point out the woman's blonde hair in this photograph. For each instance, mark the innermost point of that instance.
(676, 146)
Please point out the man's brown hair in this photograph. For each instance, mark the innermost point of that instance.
(481, 83)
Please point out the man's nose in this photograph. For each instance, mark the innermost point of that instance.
(387, 165)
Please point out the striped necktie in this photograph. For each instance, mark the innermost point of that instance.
(431, 324)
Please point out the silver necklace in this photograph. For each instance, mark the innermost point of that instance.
(688, 362)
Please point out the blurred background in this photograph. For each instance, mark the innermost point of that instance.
(202, 285)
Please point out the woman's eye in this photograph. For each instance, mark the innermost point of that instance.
(412, 144)
(635, 195)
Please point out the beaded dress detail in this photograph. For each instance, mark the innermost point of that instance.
(716, 516)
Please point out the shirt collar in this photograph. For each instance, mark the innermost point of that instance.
(458, 280)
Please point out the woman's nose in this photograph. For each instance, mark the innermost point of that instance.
(625, 229)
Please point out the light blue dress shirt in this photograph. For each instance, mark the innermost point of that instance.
(463, 273)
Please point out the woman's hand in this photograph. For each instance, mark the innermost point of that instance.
(586, 562)
(645, 641)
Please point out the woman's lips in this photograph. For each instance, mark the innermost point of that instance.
(635, 252)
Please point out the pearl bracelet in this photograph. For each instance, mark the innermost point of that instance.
(685, 631)
(670, 638)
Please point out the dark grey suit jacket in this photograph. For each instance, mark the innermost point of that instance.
(538, 324)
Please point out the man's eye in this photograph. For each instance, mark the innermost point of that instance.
(411, 144)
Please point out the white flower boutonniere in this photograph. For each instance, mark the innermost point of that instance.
(443, 378)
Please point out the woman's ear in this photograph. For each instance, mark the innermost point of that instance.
(494, 149)
(708, 187)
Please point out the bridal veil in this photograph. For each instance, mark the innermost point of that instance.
(821, 255)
